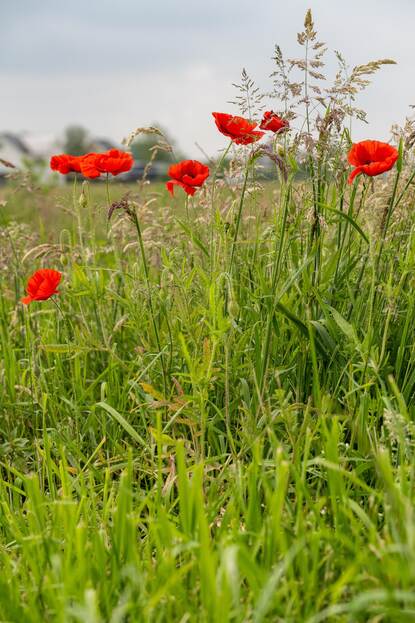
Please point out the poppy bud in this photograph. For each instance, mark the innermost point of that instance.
(280, 151)
(233, 307)
(83, 199)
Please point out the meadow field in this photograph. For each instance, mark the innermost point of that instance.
(213, 421)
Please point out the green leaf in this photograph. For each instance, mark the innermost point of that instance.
(194, 238)
(65, 348)
(349, 219)
(344, 326)
(121, 420)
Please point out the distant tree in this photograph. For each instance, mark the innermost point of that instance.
(142, 147)
(76, 141)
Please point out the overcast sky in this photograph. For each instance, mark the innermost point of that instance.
(113, 65)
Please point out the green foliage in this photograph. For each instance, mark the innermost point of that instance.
(215, 420)
(257, 464)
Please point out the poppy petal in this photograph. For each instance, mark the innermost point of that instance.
(170, 186)
(354, 173)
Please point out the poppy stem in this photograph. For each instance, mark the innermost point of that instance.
(187, 209)
(150, 298)
(343, 234)
(387, 213)
(77, 209)
(107, 185)
(67, 320)
(386, 217)
(276, 271)
(405, 188)
(213, 209)
(238, 219)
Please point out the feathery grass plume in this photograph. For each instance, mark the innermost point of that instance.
(161, 146)
(250, 99)
(138, 131)
(121, 204)
(312, 61)
(15, 239)
(348, 84)
(406, 133)
(283, 88)
(322, 108)
(7, 164)
(44, 250)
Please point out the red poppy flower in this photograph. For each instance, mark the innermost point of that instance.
(65, 163)
(371, 158)
(113, 161)
(42, 285)
(240, 130)
(89, 165)
(189, 174)
(273, 122)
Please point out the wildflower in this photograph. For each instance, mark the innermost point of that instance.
(113, 161)
(371, 158)
(42, 285)
(189, 174)
(65, 163)
(273, 122)
(240, 130)
(89, 165)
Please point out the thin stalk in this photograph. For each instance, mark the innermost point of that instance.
(212, 205)
(77, 208)
(405, 188)
(70, 331)
(275, 275)
(386, 217)
(107, 188)
(187, 210)
(314, 363)
(346, 227)
(69, 326)
(238, 219)
(316, 227)
(150, 298)
(387, 213)
(316, 222)
(374, 290)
